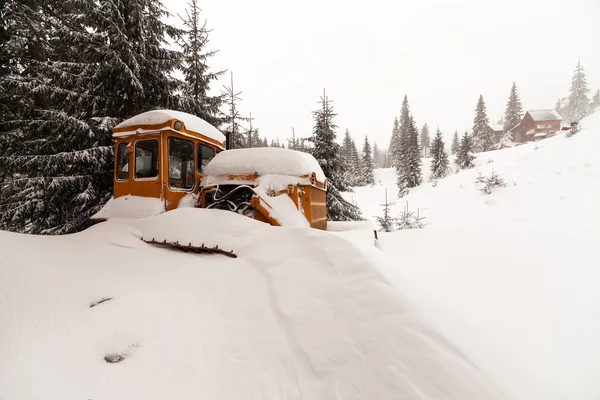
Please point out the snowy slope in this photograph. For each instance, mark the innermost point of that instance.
(299, 314)
(511, 277)
(551, 185)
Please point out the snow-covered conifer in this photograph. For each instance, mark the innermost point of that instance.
(464, 157)
(514, 109)
(386, 222)
(409, 163)
(507, 139)
(367, 164)
(376, 156)
(439, 157)
(394, 149)
(327, 153)
(196, 72)
(482, 133)
(425, 140)
(595, 106)
(578, 105)
(455, 143)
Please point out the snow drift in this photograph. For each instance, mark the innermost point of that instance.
(300, 313)
(511, 277)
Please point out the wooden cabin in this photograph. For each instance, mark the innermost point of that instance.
(162, 154)
(537, 124)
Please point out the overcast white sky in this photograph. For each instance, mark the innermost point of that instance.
(441, 53)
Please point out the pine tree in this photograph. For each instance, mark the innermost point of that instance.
(376, 156)
(386, 222)
(455, 143)
(595, 102)
(55, 153)
(197, 75)
(354, 165)
(409, 164)
(394, 149)
(578, 106)
(439, 162)
(514, 109)
(327, 153)
(425, 139)
(398, 153)
(367, 166)
(82, 68)
(558, 107)
(233, 130)
(464, 158)
(482, 133)
(507, 139)
(294, 142)
(349, 162)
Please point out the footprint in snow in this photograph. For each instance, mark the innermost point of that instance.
(116, 357)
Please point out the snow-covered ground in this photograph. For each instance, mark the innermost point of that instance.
(511, 277)
(300, 313)
(496, 298)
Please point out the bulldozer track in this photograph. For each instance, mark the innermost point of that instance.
(195, 249)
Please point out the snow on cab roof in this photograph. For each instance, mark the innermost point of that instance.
(156, 117)
(263, 161)
(544, 115)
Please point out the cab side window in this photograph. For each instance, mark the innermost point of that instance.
(181, 164)
(146, 159)
(205, 154)
(122, 162)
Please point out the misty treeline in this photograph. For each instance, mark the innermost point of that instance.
(408, 144)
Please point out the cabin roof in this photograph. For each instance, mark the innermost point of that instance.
(544, 115)
(157, 117)
(496, 127)
(264, 161)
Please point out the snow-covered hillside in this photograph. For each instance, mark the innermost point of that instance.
(300, 313)
(511, 277)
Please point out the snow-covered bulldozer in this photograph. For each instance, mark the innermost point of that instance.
(167, 159)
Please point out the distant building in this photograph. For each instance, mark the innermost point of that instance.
(498, 132)
(536, 125)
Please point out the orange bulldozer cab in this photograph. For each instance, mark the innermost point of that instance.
(164, 160)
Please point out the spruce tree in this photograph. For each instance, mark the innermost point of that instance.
(439, 157)
(464, 158)
(482, 133)
(514, 109)
(55, 153)
(401, 147)
(394, 149)
(327, 153)
(507, 139)
(349, 162)
(376, 156)
(595, 102)
(409, 164)
(197, 75)
(578, 106)
(425, 139)
(455, 143)
(82, 68)
(386, 222)
(367, 166)
(355, 179)
(558, 107)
